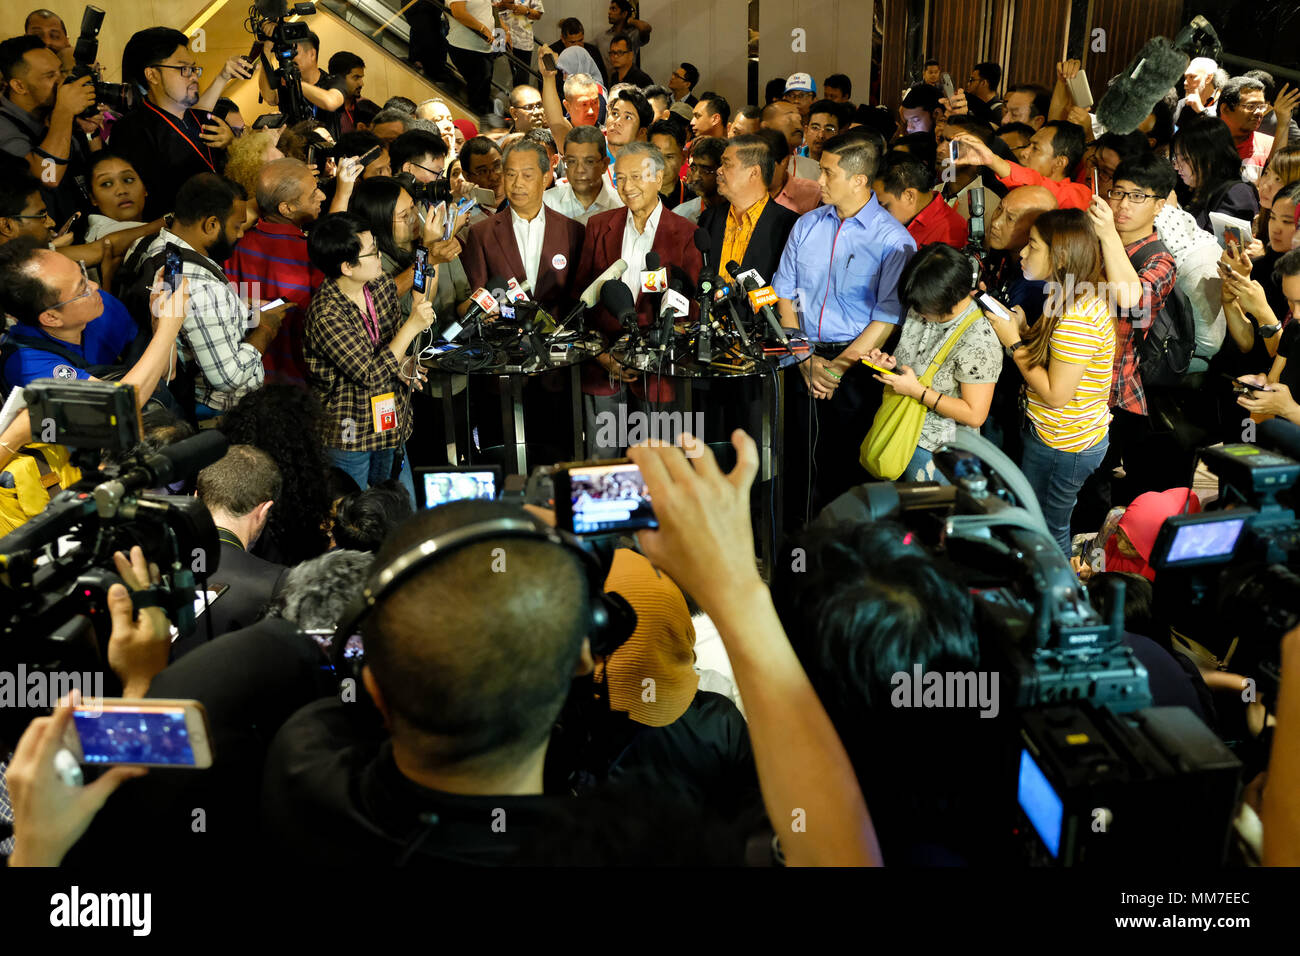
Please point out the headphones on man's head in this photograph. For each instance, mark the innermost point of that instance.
(610, 619)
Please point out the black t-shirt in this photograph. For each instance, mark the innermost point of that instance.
(330, 119)
(166, 151)
(1289, 349)
(333, 795)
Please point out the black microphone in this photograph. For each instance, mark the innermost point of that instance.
(174, 462)
(756, 295)
(705, 245)
(617, 298)
(728, 297)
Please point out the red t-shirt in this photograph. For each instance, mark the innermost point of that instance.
(938, 222)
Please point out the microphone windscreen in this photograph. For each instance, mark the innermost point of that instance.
(191, 455)
(616, 297)
(683, 281)
(1131, 98)
(702, 241)
(652, 262)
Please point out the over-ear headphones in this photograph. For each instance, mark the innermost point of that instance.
(610, 619)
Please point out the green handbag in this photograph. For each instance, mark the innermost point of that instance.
(894, 434)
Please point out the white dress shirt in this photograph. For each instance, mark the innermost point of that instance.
(528, 237)
(636, 245)
(563, 200)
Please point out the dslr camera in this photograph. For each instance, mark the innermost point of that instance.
(119, 97)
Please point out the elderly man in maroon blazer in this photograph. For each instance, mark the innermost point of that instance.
(642, 225)
(526, 240)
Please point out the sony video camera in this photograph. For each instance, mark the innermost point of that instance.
(119, 97)
(55, 570)
(267, 21)
(1225, 578)
(1092, 772)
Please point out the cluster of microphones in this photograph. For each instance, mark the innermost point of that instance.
(721, 309)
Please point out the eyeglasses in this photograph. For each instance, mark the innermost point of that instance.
(43, 214)
(85, 281)
(1136, 199)
(1253, 107)
(187, 70)
(367, 255)
(619, 52)
(436, 172)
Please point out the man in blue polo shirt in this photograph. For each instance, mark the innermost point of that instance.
(838, 284)
(66, 324)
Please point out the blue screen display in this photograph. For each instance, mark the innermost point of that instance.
(151, 736)
(1211, 539)
(1040, 803)
(442, 487)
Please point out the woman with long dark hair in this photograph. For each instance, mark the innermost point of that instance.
(1067, 360)
(285, 422)
(1207, 162)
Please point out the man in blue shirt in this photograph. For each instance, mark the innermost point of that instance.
(66, 324)
(838, 283)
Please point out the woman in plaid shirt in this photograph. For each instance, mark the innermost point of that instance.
(356, 350)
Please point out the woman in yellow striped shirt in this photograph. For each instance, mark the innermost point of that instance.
(1067, 360)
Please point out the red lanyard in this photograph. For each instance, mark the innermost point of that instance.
(207, 159)
(370, 319)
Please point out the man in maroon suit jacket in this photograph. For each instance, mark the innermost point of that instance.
(526, 240)
(640, 172)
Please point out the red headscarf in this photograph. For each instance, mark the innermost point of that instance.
(467, 128)
(1141, 524)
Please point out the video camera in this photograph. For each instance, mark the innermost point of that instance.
(55, 570)
(118, 97)
(1225, 578)
(285, 37)
(1101, 776)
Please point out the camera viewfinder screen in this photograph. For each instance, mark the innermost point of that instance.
(444, 486)
(1040, 803)
(608, 498)
(148, 735)
(1211, 539)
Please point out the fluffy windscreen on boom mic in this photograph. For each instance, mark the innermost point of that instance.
(1132, 97)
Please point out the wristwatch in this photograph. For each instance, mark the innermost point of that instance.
(1012, 349)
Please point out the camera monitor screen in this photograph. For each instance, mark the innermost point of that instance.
(1211, 539)
(441, 485)
(609, 498)
(136, 735)
(1041, 804)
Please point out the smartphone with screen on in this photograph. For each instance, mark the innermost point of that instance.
(605, 497)
(421, 266)
(140, 732)
(172, 266)
(954, 151)
(992, 306)
(1244, 387)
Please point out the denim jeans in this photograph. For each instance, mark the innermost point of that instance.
(923, 468)
(1056, 477)
(367, 468)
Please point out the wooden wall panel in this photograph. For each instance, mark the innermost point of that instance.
(1128, 27)
(954, 34)
(1037, 40)
(893, 65)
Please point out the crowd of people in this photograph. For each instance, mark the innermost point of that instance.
(1144, 287)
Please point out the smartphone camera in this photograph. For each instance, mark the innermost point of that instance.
(602, 498)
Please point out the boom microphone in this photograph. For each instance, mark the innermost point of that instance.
(185, 458)
(1131, 98)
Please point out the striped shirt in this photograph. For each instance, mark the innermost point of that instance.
(1084, 336)
(273, 256)
(212, 334)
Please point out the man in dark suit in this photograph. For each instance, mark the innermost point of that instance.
(641, 226)
(749, 227)
(526, 240)
(239, 492)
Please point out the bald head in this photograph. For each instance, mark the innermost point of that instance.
(1009, 228)
(786, 119)
(287, 193)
